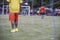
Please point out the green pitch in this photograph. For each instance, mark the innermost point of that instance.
(30, 28)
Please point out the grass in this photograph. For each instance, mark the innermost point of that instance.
(30, 28)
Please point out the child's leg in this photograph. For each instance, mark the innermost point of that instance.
(16, 22)
(12, 18)
(42, 15)
(16, 26)
(12, 24)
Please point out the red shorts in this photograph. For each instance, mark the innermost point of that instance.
(13, 16)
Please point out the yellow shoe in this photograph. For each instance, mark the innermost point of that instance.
(16, 29)
(13, 30)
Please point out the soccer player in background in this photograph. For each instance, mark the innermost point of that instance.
(42, 11)
(14, 9)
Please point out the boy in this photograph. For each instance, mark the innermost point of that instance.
(14, 8)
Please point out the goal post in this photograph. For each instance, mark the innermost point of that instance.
(25, 10)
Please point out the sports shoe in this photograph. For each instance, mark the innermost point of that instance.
(16, 30)
(13, 30)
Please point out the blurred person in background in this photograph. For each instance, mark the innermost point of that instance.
(38, 12)
(42, 11)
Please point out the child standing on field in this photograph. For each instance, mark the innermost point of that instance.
(14, 9)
